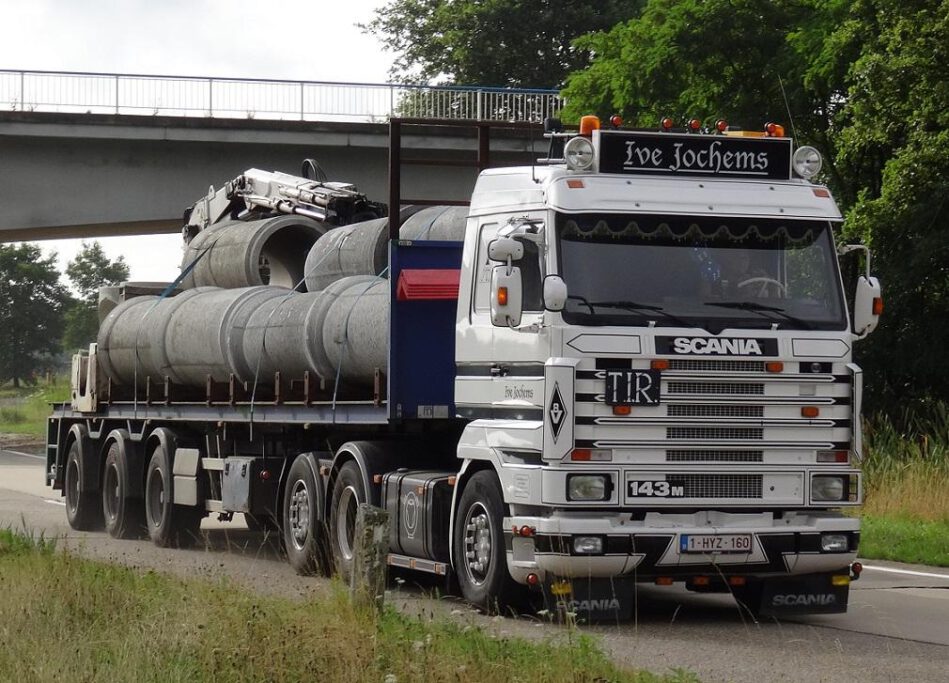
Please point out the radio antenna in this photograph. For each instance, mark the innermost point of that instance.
(787, 107)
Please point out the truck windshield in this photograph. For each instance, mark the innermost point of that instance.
(628, 269)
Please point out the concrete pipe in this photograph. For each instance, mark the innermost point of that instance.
(357, 249)
(355, 331)
(251, 253)
(437, 223)
(122, 336)
(109, 298)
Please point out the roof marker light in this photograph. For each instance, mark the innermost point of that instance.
(721, 125)
(616, 120)
(667, 124)
(774, 130)
(695, 125)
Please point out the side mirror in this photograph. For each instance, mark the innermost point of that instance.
(505, 249)
(507, 294)
(867, 306)
(555, 293)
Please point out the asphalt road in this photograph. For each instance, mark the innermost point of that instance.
(897, 628)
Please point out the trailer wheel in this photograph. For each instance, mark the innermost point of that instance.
(348, 493)
(304, 533)
(83, 508)
(124, 517)
(169, 525)
(480, 557)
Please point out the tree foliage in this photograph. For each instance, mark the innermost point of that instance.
(31, 307)
(862, 80)
(522, 43)
(90, 270)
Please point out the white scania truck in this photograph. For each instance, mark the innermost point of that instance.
(636, 367)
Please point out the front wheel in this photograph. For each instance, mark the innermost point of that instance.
(480, 558)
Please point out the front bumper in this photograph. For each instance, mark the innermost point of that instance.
(784, 545)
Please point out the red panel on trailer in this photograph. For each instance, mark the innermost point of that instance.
(428, 285)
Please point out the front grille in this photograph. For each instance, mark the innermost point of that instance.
(717, 485)
(715, 388)
(717, 365)
(729, 433)
(714, 456)
(715, 411)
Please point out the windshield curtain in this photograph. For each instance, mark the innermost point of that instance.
(709, 272)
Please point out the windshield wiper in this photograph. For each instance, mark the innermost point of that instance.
(762, 309)
(636, 306)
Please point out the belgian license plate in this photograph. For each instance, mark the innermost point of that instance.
(715, 543)
(632, 387)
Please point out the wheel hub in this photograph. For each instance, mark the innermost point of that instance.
(478, 543)
(299, 514)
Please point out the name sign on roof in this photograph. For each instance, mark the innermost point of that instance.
(638, 153)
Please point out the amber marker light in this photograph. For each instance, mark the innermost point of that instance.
(736, 580)
(575, 184)
(877, 305)
(622, 410)
(810, 411)
(774, 366)
(588, 124)
(822, 192)
(502, 296)
(581, 454)
(663, 580)
(660, 364)
(701, 581)
(774, 130)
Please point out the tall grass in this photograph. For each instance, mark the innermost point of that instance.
(25, 409)
(906, 465)
(66, 618)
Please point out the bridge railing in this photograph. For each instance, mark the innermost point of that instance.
(233, 98)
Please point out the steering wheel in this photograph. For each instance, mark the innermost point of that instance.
(764, 282)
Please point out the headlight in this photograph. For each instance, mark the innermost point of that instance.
(828, 488)
(807, 162)
(834, 543)
(578, 153)
(588, 545)
(588, 486)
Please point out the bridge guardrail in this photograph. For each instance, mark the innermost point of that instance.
(187, 96)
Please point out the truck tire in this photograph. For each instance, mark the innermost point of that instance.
(83, 507)
(169, 525)
(123, 513)
(348, 493)
(304, 530)
(479, 554)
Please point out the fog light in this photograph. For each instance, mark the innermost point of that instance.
(834, 543)
(588, 545)
(840, 580)
(588, 487)
(827, 488)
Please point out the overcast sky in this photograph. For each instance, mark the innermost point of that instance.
(283, 39)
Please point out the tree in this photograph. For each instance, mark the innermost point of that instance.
(87, 272)
(517, 43)
(31, 308)
(864, 81)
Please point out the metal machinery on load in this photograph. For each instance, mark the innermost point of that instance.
(628, 362)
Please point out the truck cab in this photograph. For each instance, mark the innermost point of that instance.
(654, 346)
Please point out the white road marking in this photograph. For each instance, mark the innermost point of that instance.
(26, 455)
(906, 571)
(54, 502)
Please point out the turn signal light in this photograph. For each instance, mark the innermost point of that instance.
(660, 364)
(774, 366)
(701, 581)
(575, 184)
(588, 124)
(663, 580)
(736, 581)
(877, 306)
(502, 296)
(588, 454)
(810, 411)
(840, 580)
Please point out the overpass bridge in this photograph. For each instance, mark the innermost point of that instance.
(85, 155)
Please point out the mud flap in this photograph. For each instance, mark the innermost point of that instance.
(810, 594)
(590, 601)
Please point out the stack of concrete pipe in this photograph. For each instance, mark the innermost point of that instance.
(230, 320)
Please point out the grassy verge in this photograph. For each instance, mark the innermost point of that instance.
(27, 408)
(906, 489)
(66, 618)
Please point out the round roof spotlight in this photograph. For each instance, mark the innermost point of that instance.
(578, 153)
(806, 161)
